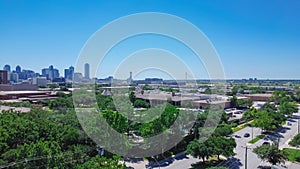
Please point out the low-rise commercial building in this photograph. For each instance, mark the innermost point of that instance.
(259, 97)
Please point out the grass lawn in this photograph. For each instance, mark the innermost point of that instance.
(242, 126)
(293, 154)
(256, 139)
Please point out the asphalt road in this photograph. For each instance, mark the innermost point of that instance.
(285, 133)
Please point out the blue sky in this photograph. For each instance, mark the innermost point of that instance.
(253, 38)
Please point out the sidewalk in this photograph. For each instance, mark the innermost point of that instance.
(286, 145)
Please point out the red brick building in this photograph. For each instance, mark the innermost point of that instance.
(3, 77)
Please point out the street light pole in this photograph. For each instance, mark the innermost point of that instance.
(252, 132)
(156, 161)
(246, 153)
(298, 125)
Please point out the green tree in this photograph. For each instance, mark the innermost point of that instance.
(198, 150)
(222, 146)
(288, 108)
(264, 121)
(297, 96)
(212, 146)
(280, 96)
(222, 130)
(208, 91)
(234, 101)
(244, 103)
(103, 163)
(132, 97)
(268, 118)
(270, 153)
(141, 103)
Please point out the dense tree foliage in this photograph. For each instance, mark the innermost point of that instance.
(240, 103)
(213, 146)
(270, 153)
(209, 141)
(141, 103)
(103, 163)
(53, 138)
(288, 108)
(269, 117)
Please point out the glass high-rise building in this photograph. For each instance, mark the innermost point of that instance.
(7, 68)
(18, 69)
(87, 71)
(69, 73)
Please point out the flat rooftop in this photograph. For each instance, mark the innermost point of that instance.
(22, 92)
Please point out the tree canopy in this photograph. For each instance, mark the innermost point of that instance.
(270, 153)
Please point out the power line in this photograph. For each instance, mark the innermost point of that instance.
(27, 160)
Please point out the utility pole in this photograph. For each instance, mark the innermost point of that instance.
(298, 125)
(246, 154)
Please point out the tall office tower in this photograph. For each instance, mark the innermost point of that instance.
(50, 73)
(14, 77)
(18, 69)
(69, 73)
(87, 71)
(7, 68)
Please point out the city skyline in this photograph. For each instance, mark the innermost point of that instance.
(252, 39)
(68, 71)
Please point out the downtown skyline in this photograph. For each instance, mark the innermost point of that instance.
(253, 39)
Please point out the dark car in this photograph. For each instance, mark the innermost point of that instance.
(266, 143)
(246, 135)
(237, 136)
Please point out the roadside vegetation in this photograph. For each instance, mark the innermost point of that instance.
(271, 153)
(256, 139)
(293, 155)
(295, 141)
(273, 115)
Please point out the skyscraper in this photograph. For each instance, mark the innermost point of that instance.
(50, 73)
(7, 68)
(87, 71)
(69, 73)
(18, 69)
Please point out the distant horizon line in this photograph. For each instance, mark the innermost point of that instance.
(258, 79)
(227, 79)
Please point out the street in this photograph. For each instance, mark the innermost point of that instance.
(285, 133)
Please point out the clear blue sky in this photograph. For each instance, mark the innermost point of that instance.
(253, 38)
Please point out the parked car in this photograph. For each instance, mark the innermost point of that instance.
(246, 135)
(237, 136)
(266, 143)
